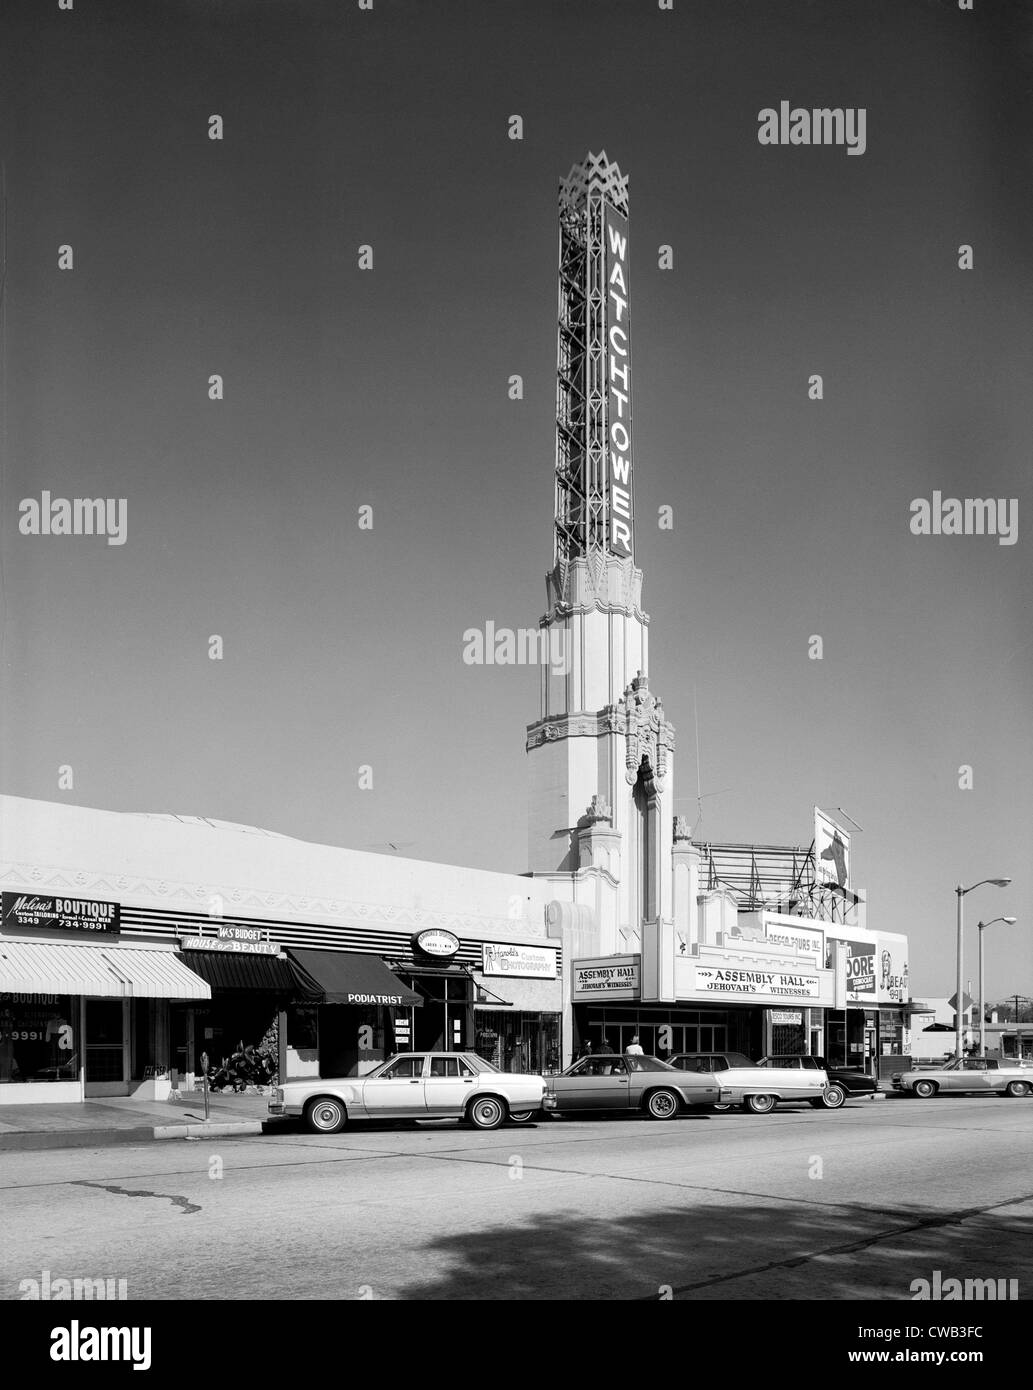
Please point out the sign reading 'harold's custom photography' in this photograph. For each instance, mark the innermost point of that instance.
(822, 125)
(70, 914)
(532, 962)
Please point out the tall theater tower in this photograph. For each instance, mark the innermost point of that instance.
(601, 752)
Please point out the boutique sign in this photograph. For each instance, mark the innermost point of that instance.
(67, 914)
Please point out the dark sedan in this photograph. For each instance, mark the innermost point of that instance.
(855, 1083)
(612, 1082)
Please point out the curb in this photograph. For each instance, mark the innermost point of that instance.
(197, 1131)
(27, 1140)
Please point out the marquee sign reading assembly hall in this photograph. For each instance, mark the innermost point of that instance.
(131, 944)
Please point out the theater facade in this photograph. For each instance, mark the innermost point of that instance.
(134, 946)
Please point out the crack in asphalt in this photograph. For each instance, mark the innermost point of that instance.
(187, 1206)
(955, 1218)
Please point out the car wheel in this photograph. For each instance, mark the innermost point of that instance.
(760, 1104)
(326, 1115)
(925, 1089)
(1017, 1088)
(486, 1112)
(522, 1117)
(721, 1105)
(662, 1105)
(833, 1097)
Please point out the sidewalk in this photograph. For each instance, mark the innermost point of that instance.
(126, 1120)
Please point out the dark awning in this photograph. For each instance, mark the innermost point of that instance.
(232, 970)
(406, 965)
(344, 977)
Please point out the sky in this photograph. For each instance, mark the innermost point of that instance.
(388, 388)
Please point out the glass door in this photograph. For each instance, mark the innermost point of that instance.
(107, 1047)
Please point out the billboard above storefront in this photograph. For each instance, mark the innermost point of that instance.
(831, 851)
(784, 929)
(876, 965)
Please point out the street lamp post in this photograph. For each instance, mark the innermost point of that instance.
(982, 997)
(959, 997)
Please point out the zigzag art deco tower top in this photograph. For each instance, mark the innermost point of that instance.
(601, 752)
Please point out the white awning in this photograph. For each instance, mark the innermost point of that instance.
(109, 972)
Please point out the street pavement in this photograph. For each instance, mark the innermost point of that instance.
(800, 1204)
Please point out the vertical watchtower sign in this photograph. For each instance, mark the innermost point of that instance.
(618, 385)
(594, 506)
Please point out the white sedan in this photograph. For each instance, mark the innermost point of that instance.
(970, 1075)
(415, 1086)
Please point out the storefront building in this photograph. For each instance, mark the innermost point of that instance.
(132, 992)
(84, 1008)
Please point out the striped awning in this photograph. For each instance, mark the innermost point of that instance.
(107, 972)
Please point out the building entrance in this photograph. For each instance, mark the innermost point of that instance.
(107, 1046)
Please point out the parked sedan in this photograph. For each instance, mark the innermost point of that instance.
(969, 1075)
(415, 1086)
(855, 1083)
(610, 1081)
(759, 1089)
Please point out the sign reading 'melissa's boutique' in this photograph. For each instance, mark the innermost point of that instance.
(70, 914)
(442, 945)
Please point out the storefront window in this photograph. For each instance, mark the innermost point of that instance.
(38, 1039)
(518, 1042)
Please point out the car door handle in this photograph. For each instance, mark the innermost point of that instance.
(416, 1082)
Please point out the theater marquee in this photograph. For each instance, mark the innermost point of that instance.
(754, 986)
(612, 977)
